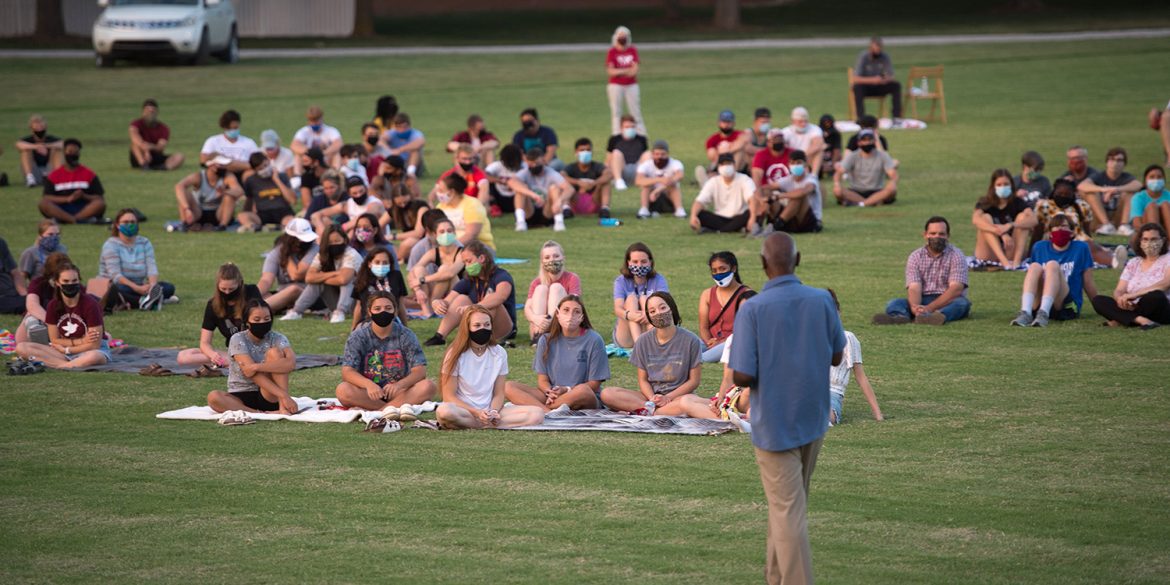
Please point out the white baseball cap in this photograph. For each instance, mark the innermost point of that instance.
(220, 160)
(301, 229)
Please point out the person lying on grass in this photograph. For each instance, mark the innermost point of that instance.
(261, 360)
(383, 364)
(75, 324)
(570, 363)
(474, 375)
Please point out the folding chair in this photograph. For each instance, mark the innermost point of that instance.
(926, 83)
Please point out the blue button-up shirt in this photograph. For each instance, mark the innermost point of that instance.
(785, 338)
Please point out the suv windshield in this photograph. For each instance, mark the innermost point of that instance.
(155, 3)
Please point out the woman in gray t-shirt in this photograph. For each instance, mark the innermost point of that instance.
(570, 363)
(261, 360)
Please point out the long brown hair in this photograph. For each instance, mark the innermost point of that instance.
(638, 247)
(327, 261)
(461, 343)
(555, 331)
(292, 246)
(990, 199)
(479, 248)
(220, 305)
(63, 268)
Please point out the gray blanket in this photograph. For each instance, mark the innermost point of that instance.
(607, 420)
(130, 359)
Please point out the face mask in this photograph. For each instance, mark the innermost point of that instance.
(554, 266)
(372, 140)
(383, 319)
(260, 330)
(661, 162)
(361, 199)
(662, 320)
(49, 243)
(405, 135)
(1076, 166)
(128, 229)
(622, 41)
(363, 235)
(529, 124)
(867, 147)
(72, 159)
(936, 245)
(474, 269)
(727, 130)
(1060, 237)
(467, 167)
(265, 172)
(797, 170)
(629, 133)
(765, 127)
(232, 134)
(315, 127)
(1151, 249)
(71, 290)
(39, 133)
(447, 239)
(727, 171)
(380, 270)
(337, 250)
(641, 271)
(1155, 185)
(723, 278)
(353, 164)
(536, 170)
(228, 295)
(569, 321)
(1064, 199)
(585, 157)
(801, 129)
(777, 146)
(1003, 191)
(1032, 176)
(480, 336)
(388, 177)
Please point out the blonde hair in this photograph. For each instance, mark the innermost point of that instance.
(219, 305)
(44, 226)
(461, 343)
(622, 30)
(540, 259)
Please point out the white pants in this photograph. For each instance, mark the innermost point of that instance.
(631, 95)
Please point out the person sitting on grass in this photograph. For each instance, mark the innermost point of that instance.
(1003, 223)
(541, 194)
(873, 178)
(758, 131)
(128, 262)
(729, 195)
(148, 141)
(669, 366)
(349, 209)
(1031, 186)
(590, 182)
(832, 154)
(466, 213)
(727, 140)
(312, 179)
(379, 274)
(482, 142)
(225, 312)
(75, 326)
(474, 377)
(318, 134)
(1078, 213)
(804, 136)
(48, 242)
(500, 173)
(261, 360)
(403, 219)
(40, 152)
(1061, 269)
(383, 364)
(487, 286)
(552, 283)
(391, 179)
(365, 235)
(407, 142)
(636, 282)
(73, 192)
(207, 198)
(353, 164)
(13, 288)
(718, 304)
(1141, 296)
(270, 199)
(839, 376)
(570, 363)
(936, 282)
(660, 182)
(532, 134)
(436, 272)
(41, 291)
(796, 205)
(1108, 193)
(229, 143)
(626, 150)
(477, 181)
(287, 263)
(330, 277)
(1151, 205)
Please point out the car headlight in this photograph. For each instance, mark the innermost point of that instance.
(189, 21)
(102, 22)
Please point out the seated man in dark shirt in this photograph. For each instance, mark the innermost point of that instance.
(148, 141)
(625, 152)
(73, 193)
(533, 135)
(591, 180)
(40, 151)
(873, 75)
(269, 198)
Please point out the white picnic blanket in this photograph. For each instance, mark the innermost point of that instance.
(848, 126)
(311, 412)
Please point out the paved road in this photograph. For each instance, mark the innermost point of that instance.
(807, 43)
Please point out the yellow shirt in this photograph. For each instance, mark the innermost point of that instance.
(469, 211)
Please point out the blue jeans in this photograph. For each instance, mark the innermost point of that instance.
(132, 297)
(953, 311)
(713, 354)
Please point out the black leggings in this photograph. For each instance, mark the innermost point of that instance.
(1153, 306)
(719, 223)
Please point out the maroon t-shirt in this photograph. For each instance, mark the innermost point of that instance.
(74, 322)
(718, 138)
(775, 166)
(464, 137)
(622, 59)
(40, 286)
(151, 134)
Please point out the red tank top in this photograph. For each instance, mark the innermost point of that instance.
(721, 322)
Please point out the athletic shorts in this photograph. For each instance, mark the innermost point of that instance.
(255, 400)
(158, 161)
(273, 216)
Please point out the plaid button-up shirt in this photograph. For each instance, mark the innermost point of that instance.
(935, 274)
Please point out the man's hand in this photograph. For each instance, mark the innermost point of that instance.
(919, 309)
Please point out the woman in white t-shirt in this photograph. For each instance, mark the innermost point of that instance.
(474, 373)
(839, 376)
(330, 277)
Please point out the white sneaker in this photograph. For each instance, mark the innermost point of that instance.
(171, 300)
(561, 410)
(1124, 230)
(30, 180)
(559, 225)
(391, 412)
(620, 184)
(701, 175)
(406, 413)
(1106, 230)
(233, 418)
(521, 226)
(337, 317)
(1120, 255)
(643, 213)
(291, 316)
(680, 212)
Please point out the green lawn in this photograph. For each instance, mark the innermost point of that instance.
(1009, 456)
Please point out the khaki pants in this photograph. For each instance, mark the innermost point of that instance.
(785, 475)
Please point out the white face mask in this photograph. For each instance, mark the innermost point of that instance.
(727, 171)
(629, 133)
(1003, 191)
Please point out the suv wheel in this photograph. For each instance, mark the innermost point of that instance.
(105, 61)
(204, 50)
(231, 53)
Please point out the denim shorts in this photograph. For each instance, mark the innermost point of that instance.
(836, 401)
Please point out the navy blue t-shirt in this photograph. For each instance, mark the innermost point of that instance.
(477, 289)
(543, 138)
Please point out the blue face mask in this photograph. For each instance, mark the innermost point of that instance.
(1003, 191)
(723, 278)
(315, 127)
(629, 133)
(1155, 185)
(403, 135)
(585, 157)
(48, 244)
(380, 270)
(232, 134)
(797, 170)
(354, 164)
(128, 229)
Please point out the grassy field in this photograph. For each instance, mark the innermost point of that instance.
(1009, 456)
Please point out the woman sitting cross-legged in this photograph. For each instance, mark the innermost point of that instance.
(1141, 295)
(474, 374)
(570, 363)
(486, 285)
(261, 360)
(669, 367)
(718, 304)
(74, 321)
(383, 364)
(225, 312)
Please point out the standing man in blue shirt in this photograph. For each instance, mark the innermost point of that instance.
(786, 338)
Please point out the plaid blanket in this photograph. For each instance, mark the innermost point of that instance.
(607, 420)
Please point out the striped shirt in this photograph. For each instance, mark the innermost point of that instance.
(839, 374)
(134, 261)
(935, 274)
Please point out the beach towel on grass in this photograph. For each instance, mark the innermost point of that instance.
(129, 359)
(607, 420)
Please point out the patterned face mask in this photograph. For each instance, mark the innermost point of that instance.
(640, 271)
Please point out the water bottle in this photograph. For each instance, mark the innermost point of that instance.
(610, 222)
(924, 86)
(649, 406)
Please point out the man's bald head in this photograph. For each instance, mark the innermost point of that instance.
(780, 255)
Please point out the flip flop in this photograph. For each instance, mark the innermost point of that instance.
(155, 370)
(205, 372)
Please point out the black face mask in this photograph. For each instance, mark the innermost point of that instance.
(72, 159)
(866, 147)
(727, 130)
(480, 336)
(71, 290)
(536, 170)
(337, 250)
(778, 147)
(372, 140)
(39, 133)
(388, 176)
(467, 167)
(1064, 199)
(661, 163)
(529, 124)
(259, 330)
(383, 319)
(360, 200)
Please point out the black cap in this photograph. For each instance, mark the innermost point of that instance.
(726, 157)
(354, 181)
(396, 161)
(763, 113)
(316, 154)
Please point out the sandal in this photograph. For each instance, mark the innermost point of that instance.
(381, 425)
(155, 370)
(205, 372)
(233, 418)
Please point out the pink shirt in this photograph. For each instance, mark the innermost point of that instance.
(622, 59)
(567, 279)
(1136, 279)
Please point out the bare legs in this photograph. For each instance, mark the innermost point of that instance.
(624, 400)
(420, 392)
(578, 397)
(451, 416)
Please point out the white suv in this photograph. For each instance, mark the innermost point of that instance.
(186, 30)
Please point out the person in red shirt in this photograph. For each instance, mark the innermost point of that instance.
(75, 324)
(621, 64)
(73, 193)
(768, 167)
(148, 141)
(726, 140)
(477, 183)
(483, 143)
